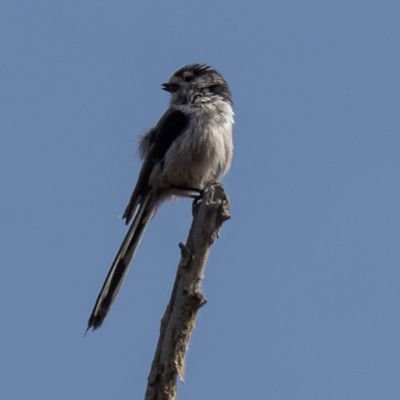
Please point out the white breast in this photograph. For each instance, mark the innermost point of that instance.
(202, 154)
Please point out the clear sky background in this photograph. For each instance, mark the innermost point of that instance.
(303, 285)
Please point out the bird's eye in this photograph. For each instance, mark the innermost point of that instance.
(187, 77)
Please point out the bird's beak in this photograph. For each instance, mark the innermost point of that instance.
(170, 87)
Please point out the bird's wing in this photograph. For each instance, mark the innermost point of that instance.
(170, 126)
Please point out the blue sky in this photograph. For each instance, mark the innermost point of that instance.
(303, 284)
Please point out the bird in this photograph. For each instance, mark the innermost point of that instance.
(190, 147)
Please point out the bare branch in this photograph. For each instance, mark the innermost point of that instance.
(209, 212)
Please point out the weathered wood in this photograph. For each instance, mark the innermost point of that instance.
(209, 212)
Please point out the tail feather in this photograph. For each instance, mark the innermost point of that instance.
(120, 264)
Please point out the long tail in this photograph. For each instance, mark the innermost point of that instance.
(121, 262)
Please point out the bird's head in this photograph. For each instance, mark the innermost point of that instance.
(197, 84)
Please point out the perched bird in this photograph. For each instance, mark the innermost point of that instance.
(189, 148)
